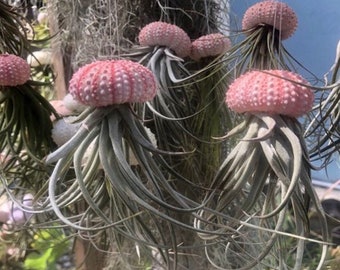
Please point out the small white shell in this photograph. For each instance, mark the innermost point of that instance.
(72, 104)
(64, 129)
(39, 58)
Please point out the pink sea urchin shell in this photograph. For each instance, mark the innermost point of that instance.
(13, 70)
(209, 45)
(165, 34)
(104, 83)
(274, 13)
(258, 91)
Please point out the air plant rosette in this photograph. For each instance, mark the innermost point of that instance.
(23, 112)
(119, 199)
(323, 131)
(266, 177)
(265, 25)
(163, 49)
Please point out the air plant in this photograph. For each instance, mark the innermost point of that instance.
(323, 131)
(265, 25)
(23, 110)
(276, 14)
(126, 200)
(163, 47)
(166, 45)
(266, 176)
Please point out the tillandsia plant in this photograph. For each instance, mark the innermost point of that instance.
(265, 25)
(163, 47)
(323, 131)
(186, 103)
(120, 198)
(266, 176)
(25, 135)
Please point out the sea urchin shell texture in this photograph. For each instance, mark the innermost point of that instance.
(104, 83)
(13, 70)
(271, 91)
(165, 34)
(209, 45)
(273, 13)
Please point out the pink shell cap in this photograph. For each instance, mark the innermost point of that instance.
(271, 92)
(104, 83)
(13, 70)
(166, 34)
(274, 13)
(209, 45)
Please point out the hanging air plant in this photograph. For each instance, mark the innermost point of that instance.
(265, 25)
(164, 46)
(94, 165)
(188, 104)
(266, 176)
(323, 131)
(25, 135)
(275, 14)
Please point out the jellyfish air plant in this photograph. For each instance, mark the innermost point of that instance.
(127, 198)
(25, 136)
(265, 25)
(167, 44)
(323, 131)
(266, 176)
(164, 47)
(272, 13)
